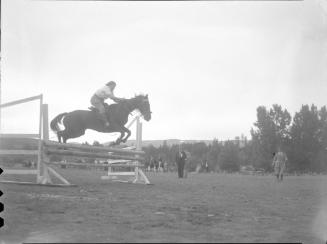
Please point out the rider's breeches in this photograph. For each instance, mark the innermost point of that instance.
(98, 103)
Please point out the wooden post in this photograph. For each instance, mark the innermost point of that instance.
(45, 122)
(138, 145)
(139, 135)
(45, 126)
(39, 157)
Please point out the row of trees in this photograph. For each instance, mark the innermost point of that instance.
(303, 138)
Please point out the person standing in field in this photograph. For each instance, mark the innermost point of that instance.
(160, 165)
(152, 166)
(165, 166)
(279, 163)
(180, 161)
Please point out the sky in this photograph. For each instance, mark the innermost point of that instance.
(206, 66)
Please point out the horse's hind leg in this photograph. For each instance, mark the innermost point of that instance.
(68, 134)
(64, 135)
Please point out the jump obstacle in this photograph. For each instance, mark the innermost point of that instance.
(115, 157)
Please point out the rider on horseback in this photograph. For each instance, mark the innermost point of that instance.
(101, 95)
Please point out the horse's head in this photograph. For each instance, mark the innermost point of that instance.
(142, 104)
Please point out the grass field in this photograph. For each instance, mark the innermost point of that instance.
(200, 208)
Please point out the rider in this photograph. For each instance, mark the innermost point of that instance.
(101, 95)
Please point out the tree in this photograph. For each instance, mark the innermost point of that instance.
(305, 142)
(229, 159)
(272, 130)
(213, 155)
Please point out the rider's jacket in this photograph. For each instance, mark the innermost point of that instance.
(104, 93)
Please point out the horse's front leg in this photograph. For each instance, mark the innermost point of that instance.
(117, 128)
(120, 139)
(128, 134)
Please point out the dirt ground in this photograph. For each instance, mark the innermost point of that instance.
(200, 208)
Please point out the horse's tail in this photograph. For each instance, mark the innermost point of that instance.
(54, 123)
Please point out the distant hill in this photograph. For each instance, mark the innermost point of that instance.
(19, 143)
(158, 143)
(27, 143)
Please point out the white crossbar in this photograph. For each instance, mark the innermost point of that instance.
(19, 152)
(121, 173)
(20, 101)
(19, 172)
(19, 136)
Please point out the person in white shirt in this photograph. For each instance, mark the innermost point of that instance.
(101, 95)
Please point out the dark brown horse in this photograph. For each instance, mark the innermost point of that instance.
(76, 122)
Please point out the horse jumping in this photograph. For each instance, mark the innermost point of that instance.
(78, 121)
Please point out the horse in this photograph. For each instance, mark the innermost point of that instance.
(78, 121)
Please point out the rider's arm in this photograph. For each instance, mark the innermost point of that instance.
(107, 93)
(112, 96)
(116, 99)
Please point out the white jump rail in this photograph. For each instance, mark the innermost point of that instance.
(38, 153)
(137, 176)
(42, 171)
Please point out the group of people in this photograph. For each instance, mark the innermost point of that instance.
(159, 165)
(156, 165)
(203, 167)
(278, 164)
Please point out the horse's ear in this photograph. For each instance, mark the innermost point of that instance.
(146, 95)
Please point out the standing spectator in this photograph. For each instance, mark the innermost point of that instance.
(180, 161)
(156, 165)
(160, 164)
(202, 166)
(147, 165)
(165, 166)
(152, 166)
(206, 166)
(279, 163)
